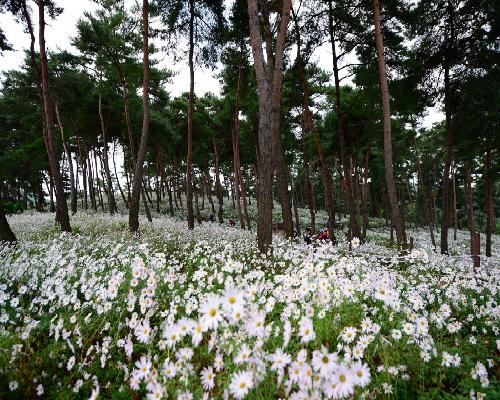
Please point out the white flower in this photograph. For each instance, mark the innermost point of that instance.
(39, 390)
(207, 377)
(210, 312)
(306, 330)
(256, 324)
(13, 385)
(143, 367)
(233, 299)
(241, 383)
(324, 362)
(360, 374)
(342, 377)
(243, 355)
(169, 370)
(155, 392)
(143, 331)
(279, 360)
(71, 363)
(349, 334)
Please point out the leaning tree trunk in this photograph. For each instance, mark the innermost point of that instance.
(62, 215)
(397, 217)
(189, 159)
(133, 216)
(70, 162)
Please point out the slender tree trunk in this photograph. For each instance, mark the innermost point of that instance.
(469, 205)
(307, 182)
(189, 160)
(218, 186)
(133, 216)
(236, 166)
(118, 179)
(170, 203)
(70, 162)
(98, 183)
(109, 185)
(295, 208)
(454, 188)
(397, 218)
(83, 161)
(196, 200)
(208, 185)
(93, 201)
(245, 207)
(490, 212)
(62, 208)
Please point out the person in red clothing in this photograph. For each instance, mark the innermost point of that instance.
(323, 235)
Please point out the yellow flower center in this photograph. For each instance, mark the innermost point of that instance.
(258, 324)
(359, 373)
(342, 378)
(243, 385)
(212, 312)
(325, 359)
(232, 300)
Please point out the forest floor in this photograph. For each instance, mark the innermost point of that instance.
(185, 314)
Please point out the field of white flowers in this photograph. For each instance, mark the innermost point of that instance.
(191, 315)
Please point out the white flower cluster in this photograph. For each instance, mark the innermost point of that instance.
(202, 314)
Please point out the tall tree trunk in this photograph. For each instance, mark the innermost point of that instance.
(218, 186)
(83, 161)
(109, 185)
(62, 208)
(454, 194)
(208, 185)
(133, 216)
(469, 205)
(325, 172)
(70, 161)
(397, 218)
(307, 182)
(295, 207)
(189, 159)
(98, 183)
(236, 184)
(449, 133)
(269, 77)
(355, 230)
(91, 179)
(170, 202)
(245, 205)
(490, 212)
